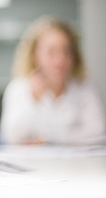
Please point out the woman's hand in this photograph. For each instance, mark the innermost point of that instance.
(32, 142)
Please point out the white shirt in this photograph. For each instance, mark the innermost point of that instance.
(76, 117)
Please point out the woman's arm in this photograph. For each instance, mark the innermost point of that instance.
(90, 128)
(17, 116)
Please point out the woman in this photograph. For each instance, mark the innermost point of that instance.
(50, 99)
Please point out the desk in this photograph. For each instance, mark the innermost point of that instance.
(52, 174)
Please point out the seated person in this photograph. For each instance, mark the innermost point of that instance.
(50, 99)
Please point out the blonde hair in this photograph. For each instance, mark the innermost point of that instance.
(24, 64)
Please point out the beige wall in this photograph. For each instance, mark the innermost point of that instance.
(93, 27)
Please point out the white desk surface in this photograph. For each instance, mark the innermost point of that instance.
(54, 172)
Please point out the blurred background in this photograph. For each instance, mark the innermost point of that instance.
(88, 16)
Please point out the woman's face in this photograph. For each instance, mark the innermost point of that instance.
(53, 54)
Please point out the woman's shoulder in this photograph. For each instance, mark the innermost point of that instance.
(84, 89)
(81, 86)
(16, 85)
(17, 81)
(89, 87)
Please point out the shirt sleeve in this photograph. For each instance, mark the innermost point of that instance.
(16, 113)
